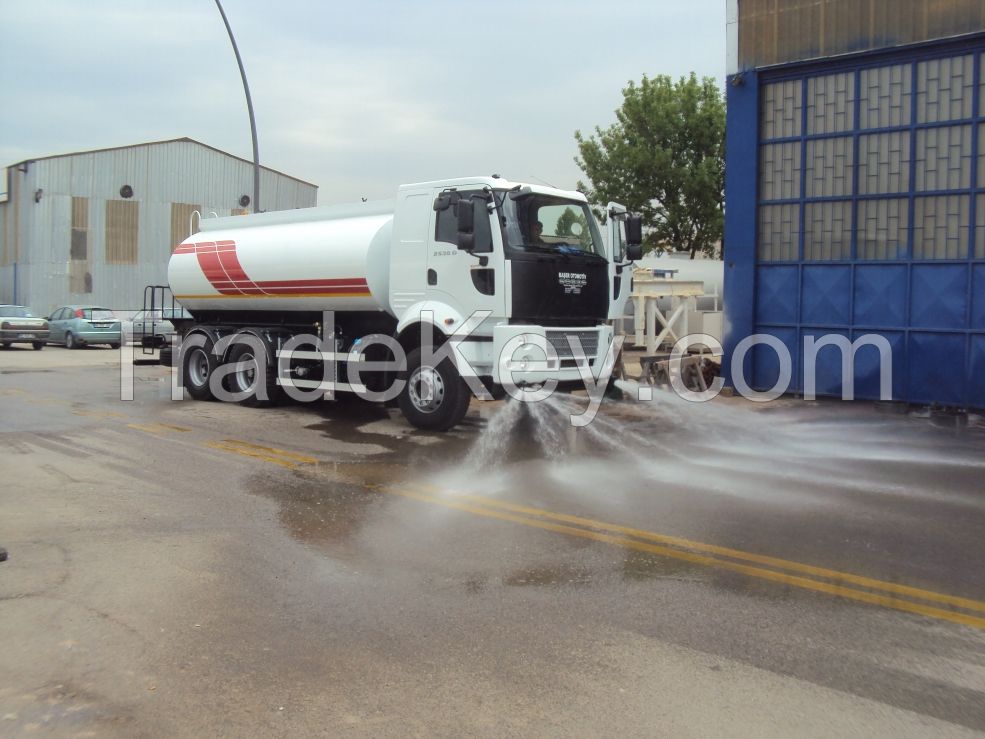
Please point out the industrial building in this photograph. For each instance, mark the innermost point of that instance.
(95, 227)
(855, 191)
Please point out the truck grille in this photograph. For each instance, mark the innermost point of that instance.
(589, 343)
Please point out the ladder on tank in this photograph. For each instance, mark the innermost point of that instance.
(160, 307)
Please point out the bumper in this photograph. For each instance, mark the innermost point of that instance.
(99, 337)
(536, 354)
(17, 335)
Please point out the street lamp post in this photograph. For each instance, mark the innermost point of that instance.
(249, 107)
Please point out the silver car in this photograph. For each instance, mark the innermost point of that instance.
(19, 326)
(153, 328)
(78, 325)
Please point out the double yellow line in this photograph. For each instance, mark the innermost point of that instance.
(795, 574)
(846, 585)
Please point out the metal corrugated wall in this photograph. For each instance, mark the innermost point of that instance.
(781, 31)
(160, 174)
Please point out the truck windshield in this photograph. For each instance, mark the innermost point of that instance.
(544, 223)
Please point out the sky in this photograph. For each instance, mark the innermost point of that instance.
(357, 98)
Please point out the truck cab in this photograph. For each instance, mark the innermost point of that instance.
(531, 257)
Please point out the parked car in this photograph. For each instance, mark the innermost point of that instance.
(78, 325)
(19, 326)
(153, 327)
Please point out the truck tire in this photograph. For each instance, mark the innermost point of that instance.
(166, 356)
(244, 381)
(433, 398)
(197, 365)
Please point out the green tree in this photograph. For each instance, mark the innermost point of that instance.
(566, 223)
(664, 158)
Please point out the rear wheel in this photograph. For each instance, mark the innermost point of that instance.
(38, 345)
(114, 346)
(434, 398)
(198, 363)
(252, 377)
(5, 345)
(71, 342)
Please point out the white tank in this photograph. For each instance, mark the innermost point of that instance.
(312, 259)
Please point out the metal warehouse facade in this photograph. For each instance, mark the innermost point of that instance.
(855, 191)
(95, 227)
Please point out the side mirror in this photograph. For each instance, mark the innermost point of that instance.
(465, 212)
(634, 230)
(634, 252)
(443, 201)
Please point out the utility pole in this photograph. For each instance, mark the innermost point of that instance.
(249, 107)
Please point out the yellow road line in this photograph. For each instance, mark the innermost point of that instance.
(249, 453)
(783, 564)
(885, 601)
(96, 414)
(181, 429)
(157, 429)
(271, 450)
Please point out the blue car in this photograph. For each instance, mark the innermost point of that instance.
(76, 326)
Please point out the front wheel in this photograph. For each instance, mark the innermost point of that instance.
(434, 398)
(114, 346)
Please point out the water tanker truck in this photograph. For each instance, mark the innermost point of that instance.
(364, 297)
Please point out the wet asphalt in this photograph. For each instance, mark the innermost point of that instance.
(182, 568)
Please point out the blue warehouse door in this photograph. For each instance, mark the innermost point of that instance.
(871, 220)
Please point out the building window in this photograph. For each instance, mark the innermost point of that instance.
(79, 276)
(122, 227)
(181, 216)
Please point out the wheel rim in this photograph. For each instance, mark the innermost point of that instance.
(245, 375)
(198, 367)
(70, 341)
(426, 389)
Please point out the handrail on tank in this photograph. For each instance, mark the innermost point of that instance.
(191, 222)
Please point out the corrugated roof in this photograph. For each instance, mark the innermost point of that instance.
(183, 139)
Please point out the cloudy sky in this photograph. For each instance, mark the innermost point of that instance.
(356, 97)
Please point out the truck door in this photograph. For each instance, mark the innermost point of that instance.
(467, 281)
(620, 271)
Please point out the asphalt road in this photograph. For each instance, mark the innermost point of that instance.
(181, 568)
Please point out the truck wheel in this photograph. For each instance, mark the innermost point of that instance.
(245, 379)
(197, 366)
(434, 398)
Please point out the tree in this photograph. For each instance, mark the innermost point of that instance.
(566, 227)
(664, 158)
